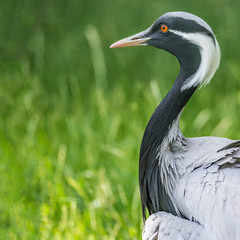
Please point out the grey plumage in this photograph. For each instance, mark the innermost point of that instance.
(164, 226)
(191, 186)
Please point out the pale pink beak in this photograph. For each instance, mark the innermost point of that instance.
(135, 40)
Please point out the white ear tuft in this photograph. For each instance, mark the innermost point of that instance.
(210, 58)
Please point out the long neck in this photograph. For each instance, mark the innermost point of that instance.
(167, 113)
(157, 170)
(161, 130)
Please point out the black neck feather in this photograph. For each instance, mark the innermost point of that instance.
(153, 195)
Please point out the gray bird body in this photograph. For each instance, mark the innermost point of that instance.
(202, 178)
(190, 186)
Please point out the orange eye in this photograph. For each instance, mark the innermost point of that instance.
(164, 28)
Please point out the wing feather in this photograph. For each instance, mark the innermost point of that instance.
(165, 226)
(211, 196)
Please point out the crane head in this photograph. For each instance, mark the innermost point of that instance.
(186, 36)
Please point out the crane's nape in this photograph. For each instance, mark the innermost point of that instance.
(190, 186)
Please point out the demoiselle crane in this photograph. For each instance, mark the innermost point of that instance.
(190, 186)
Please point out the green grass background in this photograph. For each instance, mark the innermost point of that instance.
(73, 112)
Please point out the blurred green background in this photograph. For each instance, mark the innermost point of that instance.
(73, 111)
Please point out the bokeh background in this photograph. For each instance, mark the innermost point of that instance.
(73, 111)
